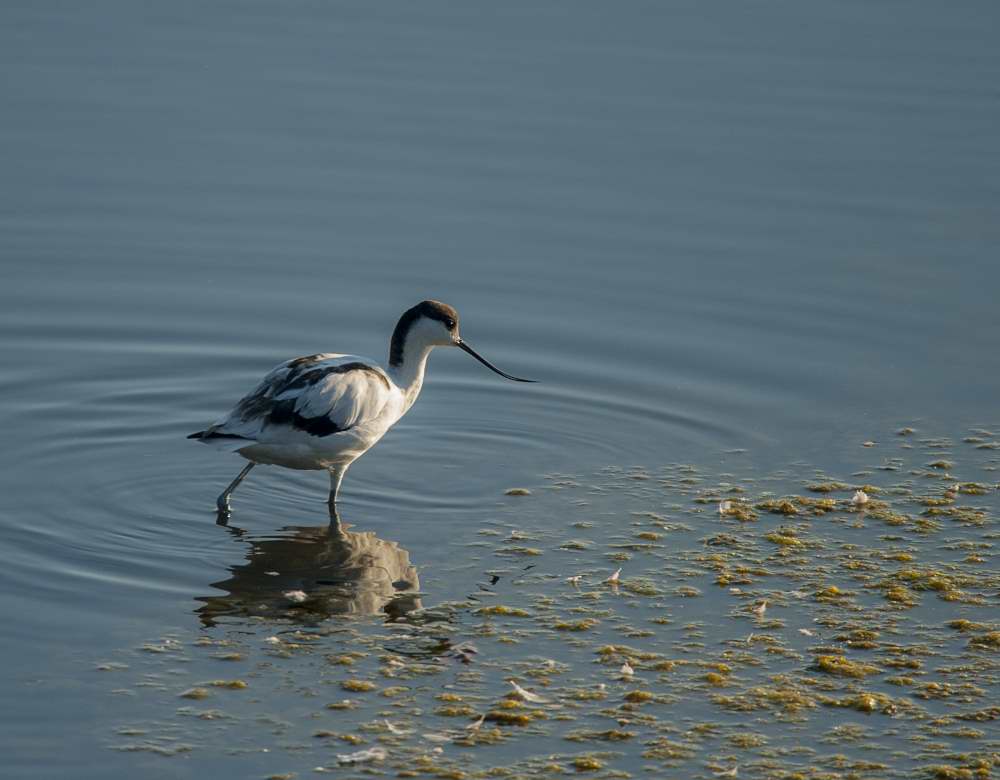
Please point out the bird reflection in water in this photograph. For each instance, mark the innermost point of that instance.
(312, 573)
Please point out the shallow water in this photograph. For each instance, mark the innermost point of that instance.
(748, 239)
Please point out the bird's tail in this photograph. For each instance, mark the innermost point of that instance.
(229, 442)
(210, 434)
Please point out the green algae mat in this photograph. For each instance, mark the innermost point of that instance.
(659, 621)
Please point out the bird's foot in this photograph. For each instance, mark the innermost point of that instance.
(222, 512)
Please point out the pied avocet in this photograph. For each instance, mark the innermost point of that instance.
(324, 411)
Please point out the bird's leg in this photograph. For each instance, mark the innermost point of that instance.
(222, 503)
(336, 475)
(336, 529)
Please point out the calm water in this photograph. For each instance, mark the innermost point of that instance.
(740, 236)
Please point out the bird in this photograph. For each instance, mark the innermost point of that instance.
(324, 411)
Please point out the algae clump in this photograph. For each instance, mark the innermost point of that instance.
(828, 487)
(577, 625)
(840, 666)
(587, 764)
(989, 641)
(776, 506)
(357, 685)
(500, 609)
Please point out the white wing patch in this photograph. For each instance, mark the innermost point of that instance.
(319, 395)
(347, 395)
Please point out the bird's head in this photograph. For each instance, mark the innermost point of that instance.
(433, 324)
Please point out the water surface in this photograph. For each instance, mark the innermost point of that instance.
(745, 238)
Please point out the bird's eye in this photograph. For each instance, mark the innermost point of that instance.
(450, 323)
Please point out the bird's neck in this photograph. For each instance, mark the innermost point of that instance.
(408, 371)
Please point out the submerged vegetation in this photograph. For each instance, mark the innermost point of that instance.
(671, 621)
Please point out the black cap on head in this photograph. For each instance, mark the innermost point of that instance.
(442, 312)
(434, 310)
